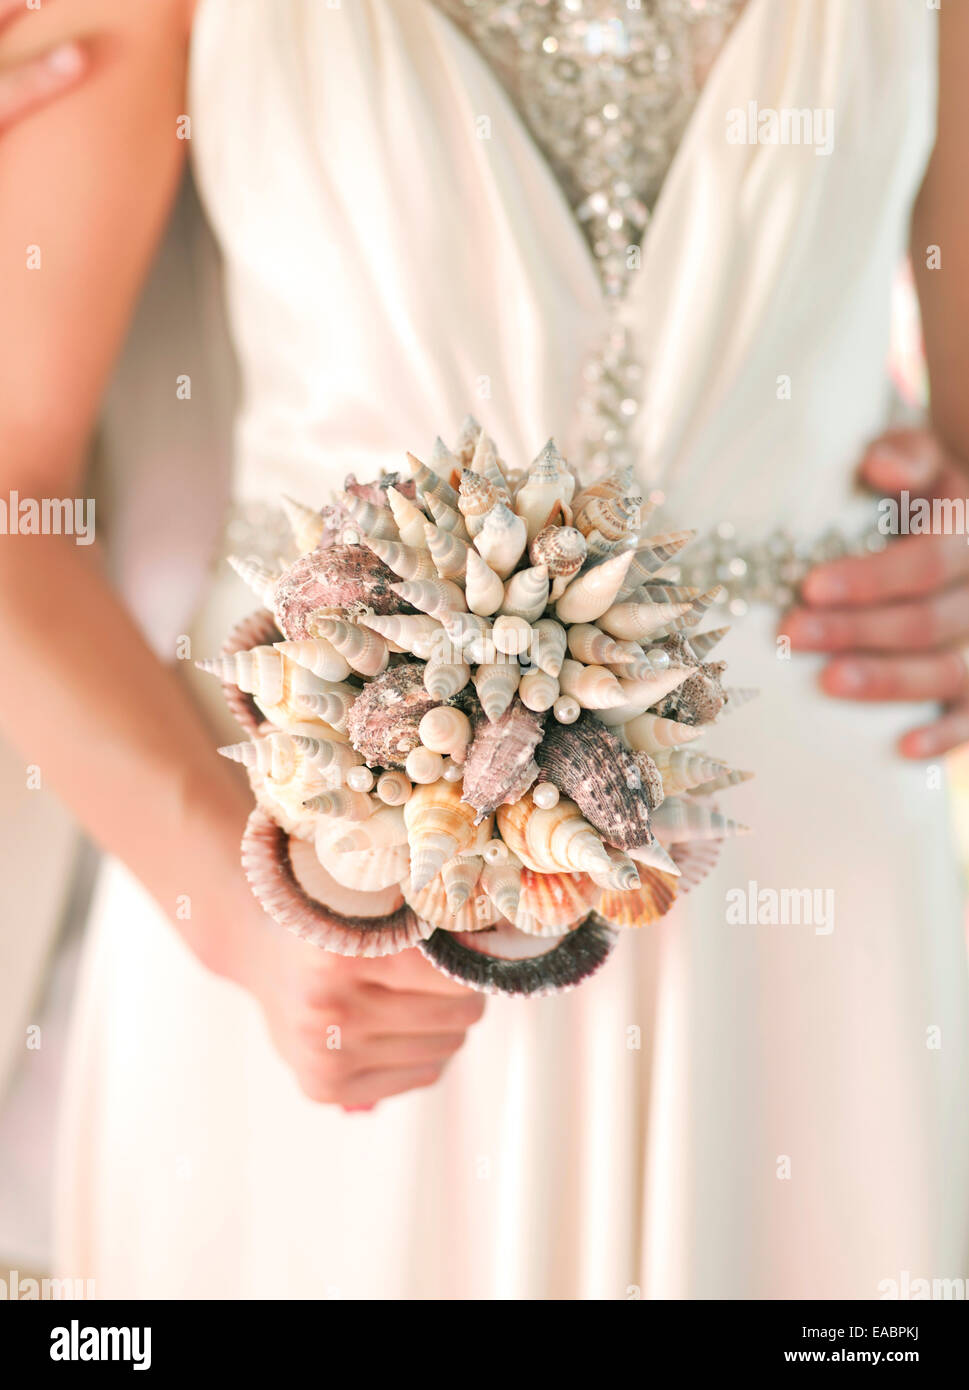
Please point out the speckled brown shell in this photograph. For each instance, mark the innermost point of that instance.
(382, 722)
(587, 763)
(700, 698)
(500, 763)
(259, 629)
(339, 577)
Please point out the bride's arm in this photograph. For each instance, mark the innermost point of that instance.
(86, 185)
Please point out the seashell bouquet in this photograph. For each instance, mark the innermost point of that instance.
(475, 695)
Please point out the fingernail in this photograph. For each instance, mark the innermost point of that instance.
(66, 60)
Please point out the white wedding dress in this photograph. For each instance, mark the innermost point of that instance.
(725, 1111)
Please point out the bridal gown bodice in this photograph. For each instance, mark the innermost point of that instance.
(724, 1111)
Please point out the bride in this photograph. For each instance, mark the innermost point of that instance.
(533, 212)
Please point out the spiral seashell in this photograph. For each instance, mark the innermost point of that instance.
(526, 594)
(614, 484)
(587, 762)
(593, 686)
(730, 777)
(393, 788)
(330, 705)
(446, 730)
(736, 696)
(380, 869)
(593, 592)
(697, 700)
(658, 591)
(293, 887)
(439, 825)
(259, 577)
(639, 695)
(343, 803)
(558, 840)
(501, 540)
(484, 592)
(444, 679)
(283, 756)
(467, 439)
(484, 461)
(447, 518)
(258, 629)
(409, 519)
(651, 733)
(654, 856)
(476, 496)
(638, 907)
(500, 764)
(384, 829)
(637, 663)
(326, 581)
(448, 551)
(384, 719)
(538, 691)
(550, 645)
(682, 769)
(634, 621)
(512, 636)
(590, 644)
(431, 484)
(423, 766)
(406, 561)
(506, 961)
(496, 684)
(317, 655)
(502, 883)
(273, 682)
(701, 644)
(611, 520)
(432, 906)
(306, 523)
(436, 597)
(621, 873)
(550, 904)
(444, 462)
(370, 520)
(549, 481)
(651, 556)
(681, 818)
(460, 877)
(563, 550)
(365, 650)
(411, 632)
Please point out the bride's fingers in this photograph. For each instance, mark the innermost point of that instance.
(30, 83)
(399, 1011)
(933, 740)
(404, 1050)
(941, 676)
(367, 1087)
(933, 622)
(908, 568)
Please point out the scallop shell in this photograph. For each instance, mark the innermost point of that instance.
(550, 904)
(637, 907)
(501, 540)
(436, 597)
(496, 684)
(476, 496)
(432, 906)
(384, 719)
(593, 592)
(500, 764)
(409, 518)
(294, 888)
(526, 594)
(587, 762)
(504, 960)
(560, 839)
(439, 825)
(484, 592)
(328, 580)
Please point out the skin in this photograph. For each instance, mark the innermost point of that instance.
(83, 697)
(892, 619)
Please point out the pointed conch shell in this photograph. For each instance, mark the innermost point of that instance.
(637, 907)
(526, 594)
(501, 540)
(633, 621)
(549, 904)
(447, 550)
(496, 684)
(384, 829)
(446, 730)
(467, 439)
(538, 691)
(484, 460)
(409, 518)
(736, 696)
(342, 803)
(682, 769)
(258, 629)
(484, 592)
(593, 592)
(282, 756)
(593, 686)
(330, 705)
(406, 561)
(549, 481)
(260, 578)
(703, 643)
(558, 840)
(431, 483)
(682, 819)
(273, 682)
(550, 645)
(639, 695)
(651, 556)
(317, 655)
(439, 825)
(502, 883)
(459, 877)
(443, 679)
(651, 732)
(369, 519)
(476, 496)
(411, 632)
(590, 644)
(306, 523)
(447, 518)
(436, 597)
(365, 650)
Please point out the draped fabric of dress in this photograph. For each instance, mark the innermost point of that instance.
(725, 1110)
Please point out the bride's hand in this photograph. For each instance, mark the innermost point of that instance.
(31, 82)
(898, 621)
(353, 1031)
